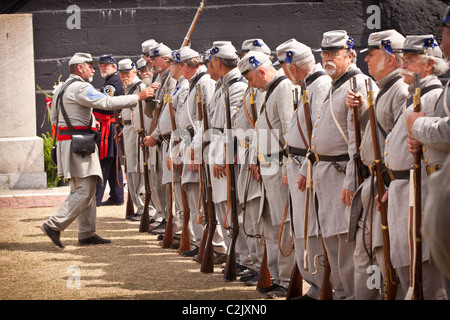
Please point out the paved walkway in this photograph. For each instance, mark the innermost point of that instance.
(48, 197)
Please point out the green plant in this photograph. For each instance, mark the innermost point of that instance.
(50, 167)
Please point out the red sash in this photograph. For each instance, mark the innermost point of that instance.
(105, 121)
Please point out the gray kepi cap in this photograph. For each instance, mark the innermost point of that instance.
(255, 45)
(160, 50)
(185, 53)
(147, 44)
(141, 64)
(422, 44)
(224, 49)
(251, 61)
(389, 40)
(336, 40)
(125, 65)
(80, 57)
(291, 51)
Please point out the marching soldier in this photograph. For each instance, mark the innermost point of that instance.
(160, 62)
(298, 63)
(193, 70)
(268, 142)
(333, 146)
(384, 61)
(421, 55)
(433, 132)
(248, 189)
(224, 61)
(78, 97)
(109, 152)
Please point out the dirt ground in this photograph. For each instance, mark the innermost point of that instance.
(132, 267)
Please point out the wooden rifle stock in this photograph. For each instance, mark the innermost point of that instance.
(416, 213)
(168, 232)
(187, 38)
(357, 126)
(144, 225)
(391, 282)
(202, 193)
(230, 268)
(326, 289)
(121, 147)
(264, 276)
(207, 265)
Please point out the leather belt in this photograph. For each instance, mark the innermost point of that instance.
(398, 174)
(296, 151)
(165, 137)
(316, 157)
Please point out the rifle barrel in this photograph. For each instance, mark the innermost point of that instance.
(391, 282)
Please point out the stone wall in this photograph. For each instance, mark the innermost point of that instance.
(21, 156)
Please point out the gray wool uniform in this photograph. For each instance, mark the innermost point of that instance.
(79, 99)
(187, 122)
(251, 224)
(398, 158)
(388, 103)
(236, 85)
(331, 177)
(133, 152)
(159, 191)
(162, 134)
(317, 91)
(278, 108)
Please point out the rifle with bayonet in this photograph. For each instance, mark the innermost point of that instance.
(415, 291)
(144, 225)
(391, 282)
(230, 267)
(121, 147)
(187, 38)
(326, 289)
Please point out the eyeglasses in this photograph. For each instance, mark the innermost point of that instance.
(329, 54)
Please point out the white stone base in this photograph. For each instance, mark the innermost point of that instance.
(22, 163)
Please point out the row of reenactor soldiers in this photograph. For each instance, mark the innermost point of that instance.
(309, 170)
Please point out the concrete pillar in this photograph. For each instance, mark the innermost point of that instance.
(21, 151)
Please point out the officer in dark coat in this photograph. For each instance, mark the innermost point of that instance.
(108, 150)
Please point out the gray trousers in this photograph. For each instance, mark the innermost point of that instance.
(242, 252)
(80, 205)
(253, 226)
(280, 267)
(192, 192)
(315, 275)
(432, 280)
(135, 182)
(340, 256)
(366, 285)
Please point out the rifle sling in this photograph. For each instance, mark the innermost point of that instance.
(196, 79)
(422, 92)
(269, 92)
(380, 94)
